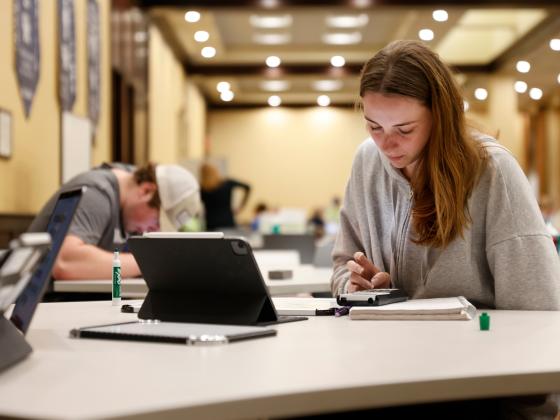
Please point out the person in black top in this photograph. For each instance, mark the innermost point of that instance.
(216, 194)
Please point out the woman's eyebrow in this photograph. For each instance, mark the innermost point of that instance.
(396, 125)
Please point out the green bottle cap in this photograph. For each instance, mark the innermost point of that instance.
(484, 319)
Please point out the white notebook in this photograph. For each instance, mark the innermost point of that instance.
(453, 308)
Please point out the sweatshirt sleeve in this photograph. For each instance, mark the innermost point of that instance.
(348, 240)
(520, 252)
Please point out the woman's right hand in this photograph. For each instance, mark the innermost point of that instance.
(365, 275)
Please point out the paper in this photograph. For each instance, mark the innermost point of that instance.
(302, 306)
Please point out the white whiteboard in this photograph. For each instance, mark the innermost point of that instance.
(76, 145)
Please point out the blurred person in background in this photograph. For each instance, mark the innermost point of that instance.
(216, 193)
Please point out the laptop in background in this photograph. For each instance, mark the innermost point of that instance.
(58, 226)
(304, 244)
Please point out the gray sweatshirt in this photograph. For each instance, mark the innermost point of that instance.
(506, 259)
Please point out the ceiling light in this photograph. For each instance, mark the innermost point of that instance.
(426, 34)
(201, 36)
(535, 93)
(274, 100)
(140, 36)
(555, 44)
(481, 94)
(323, 100)
(270, 4)
(227, 95)
(523, 66)
(208, 52)
(558, 78)
(275, 85)
(327, 85)
(338, 61)
(347, 21)
(440, 15)
(466, 105)
(520, 86)
(273, 61)
(342, 38)
(223, 86)
(271, 22)
(361, 3)
(272, 39)
(191, 16)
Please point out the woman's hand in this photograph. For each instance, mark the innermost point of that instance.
(365, 275)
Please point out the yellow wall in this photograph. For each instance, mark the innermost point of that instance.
(292, 157)
(166, 101)
(33, 172)
(177, 109)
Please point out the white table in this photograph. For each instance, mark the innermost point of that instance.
(306, 279)
(315, 366)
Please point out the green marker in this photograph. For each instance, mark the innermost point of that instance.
(116, 278)
(484, 320)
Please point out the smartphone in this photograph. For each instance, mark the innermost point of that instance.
(371, 297)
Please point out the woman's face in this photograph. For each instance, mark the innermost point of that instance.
(400, 126)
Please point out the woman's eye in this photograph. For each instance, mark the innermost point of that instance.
(374, 128)
(404, 132)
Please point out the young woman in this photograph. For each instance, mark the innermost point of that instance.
(433, 208)
(437, 210)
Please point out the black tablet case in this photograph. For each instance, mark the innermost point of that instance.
(202, 280)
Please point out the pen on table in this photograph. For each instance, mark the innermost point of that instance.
(342, 311)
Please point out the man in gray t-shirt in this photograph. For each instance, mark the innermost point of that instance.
(119, 200)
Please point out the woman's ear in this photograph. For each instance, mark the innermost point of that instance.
(147, 190)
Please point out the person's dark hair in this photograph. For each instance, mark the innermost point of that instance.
(147, 173)
(452, 160)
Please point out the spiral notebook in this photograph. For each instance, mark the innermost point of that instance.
(452, 308)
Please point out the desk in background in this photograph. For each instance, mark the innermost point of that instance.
(306, 279)
(316, 366)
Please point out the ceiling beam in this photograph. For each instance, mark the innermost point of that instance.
(301, 69)
(280, 4)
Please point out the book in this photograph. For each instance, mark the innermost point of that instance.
(452, 308)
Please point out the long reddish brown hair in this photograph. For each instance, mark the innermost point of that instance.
(452, 160)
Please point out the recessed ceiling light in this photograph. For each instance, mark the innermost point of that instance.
(555, 44)
(140, 36)
(440, 15)
(426, 34)
(208, 52)
(523, 66)
(273, 61)
(274, 100)
(520, 86)
(323, 100)
(271, 22)
(201, 36)
(272, 39)
(275, 85)
(327, 85)
(338, 61)
(191, 16)
(466, 105)
(223, 86)
(227, 96)
(361, 3)
(342, 38)
(347, 21)
(481, 94)
(535, 93)
(270, 4)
